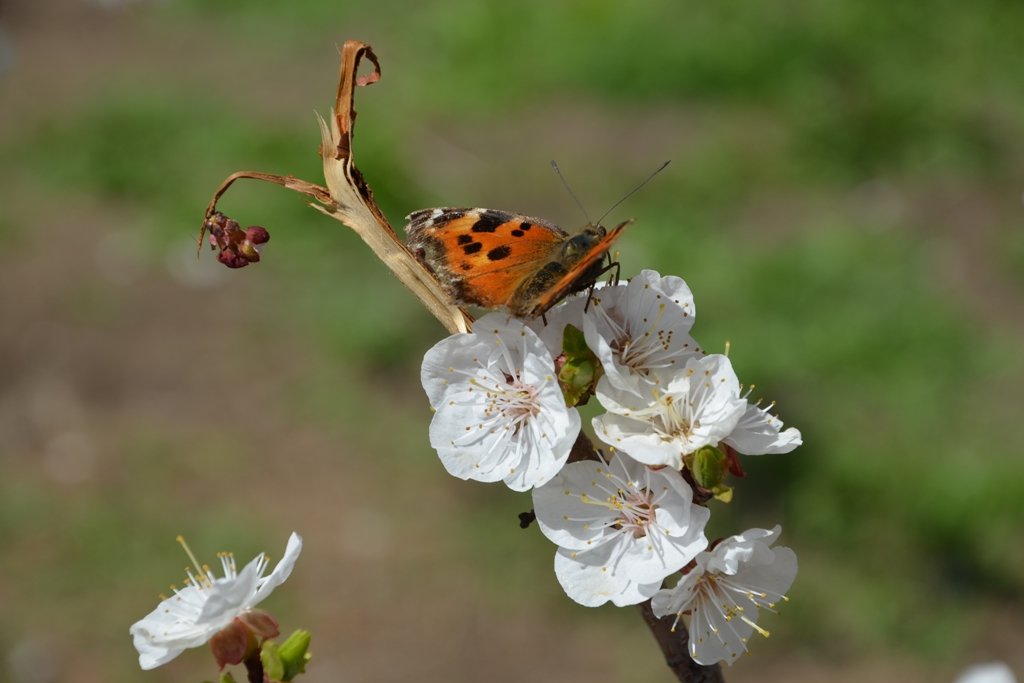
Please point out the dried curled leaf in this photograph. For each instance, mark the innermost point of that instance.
(355, 206)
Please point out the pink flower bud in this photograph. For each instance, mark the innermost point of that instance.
(237, 248)
(232, 259)
(261, 623)
(257, 234)
(233, 643)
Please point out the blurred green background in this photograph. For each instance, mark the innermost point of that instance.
(844, 200)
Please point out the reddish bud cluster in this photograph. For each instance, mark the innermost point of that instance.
(240, 639)
(237, 248)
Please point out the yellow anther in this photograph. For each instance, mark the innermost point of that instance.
(188, 551)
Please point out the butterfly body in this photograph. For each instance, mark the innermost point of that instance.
(494, 259)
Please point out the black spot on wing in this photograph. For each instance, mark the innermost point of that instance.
(489, 221)
(464, 239)
(499, 253)
(472, 248)
(525, 227)
(518, 233)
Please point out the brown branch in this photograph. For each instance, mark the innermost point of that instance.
(317, 192)
(582, 449)
(254, 668)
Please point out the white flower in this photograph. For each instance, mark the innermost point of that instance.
(207, 604)
(724, 591)
(500, 413)
(694, 406)
(991, 672)
(621, 528)
(641, 327)
(632, 327)
(759, 432)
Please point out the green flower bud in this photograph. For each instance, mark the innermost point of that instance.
(578, 367)
(270, 656)
(294, 653)
(708, 467)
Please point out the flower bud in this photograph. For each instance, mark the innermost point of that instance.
(261, 623)
(708, 467)
(294, 654)
(237, 248)
(270, 657)
(732, 461)
(231, 259)
(232, 644)
(577, 367)
(257, 234)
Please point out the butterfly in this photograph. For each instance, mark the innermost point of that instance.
(494, 259)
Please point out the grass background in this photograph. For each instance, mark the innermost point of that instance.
(844, 200)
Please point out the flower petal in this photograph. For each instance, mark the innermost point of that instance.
(677, 599)
(281, 572)
(594, 585)
(544, 458)
(229, 596)
(565, 506)
(172, 627)
(759, 433)
(714, 639)
(750, 546)
(443, 361)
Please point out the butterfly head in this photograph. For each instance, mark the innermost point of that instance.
(582, 243)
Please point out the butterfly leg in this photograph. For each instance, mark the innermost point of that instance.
(590, 295)
(613, 281)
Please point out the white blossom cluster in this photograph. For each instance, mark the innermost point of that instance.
(630, 520)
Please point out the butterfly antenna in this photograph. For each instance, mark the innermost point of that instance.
(572, 194)
(633, 191)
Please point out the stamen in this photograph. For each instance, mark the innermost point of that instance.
(754, 626)
(188, 551)
(630, 502)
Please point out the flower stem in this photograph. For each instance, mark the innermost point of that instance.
(254, 667)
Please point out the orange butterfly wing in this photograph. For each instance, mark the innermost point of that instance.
(580, 275)
(482, 256)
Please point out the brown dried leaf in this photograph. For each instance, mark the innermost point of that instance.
(354, 203)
